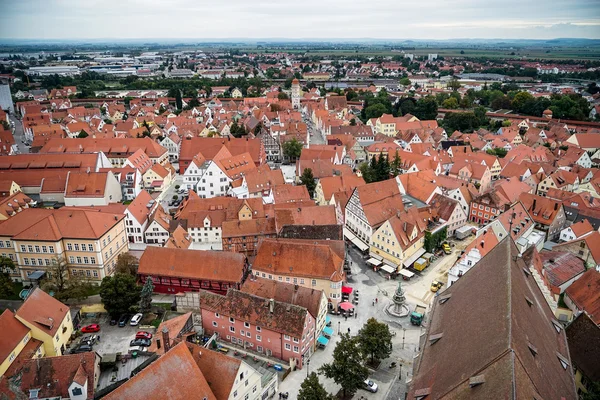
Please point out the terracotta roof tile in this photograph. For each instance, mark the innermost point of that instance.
(192, 264)
(584, 293)
(174, 376)
(13, 332)
(41, 306)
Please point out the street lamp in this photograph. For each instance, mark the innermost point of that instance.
(403, 336)
(307, 364)
(339, 327)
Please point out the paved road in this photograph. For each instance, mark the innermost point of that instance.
(315, 135)
(19, 134)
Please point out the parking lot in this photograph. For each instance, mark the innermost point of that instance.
(113, 339)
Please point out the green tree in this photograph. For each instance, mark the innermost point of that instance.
(127, 264)
(520, 100)
(453, 84)
(283, 96)
(312, 389)
(450, 103)
(146, 296)
(119, 293)
(353, 122)
(366, 172)
(382, 169)
(5, 125)
(375, 340)
(82, 134)
(292, 149)
(64, 282)
(7, 289)
(395, 165)
(178, 100)
(499, 152)
(346, 369)
(375, 111)
(405, 82)
(593, 391)
(426, 108)
(308, 180)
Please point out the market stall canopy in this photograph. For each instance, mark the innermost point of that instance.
(346, 306)
(409, 261)
(406, 273)
(388, 269)
(328, 331)
(373, 261)
(346, 289)
(323, 340)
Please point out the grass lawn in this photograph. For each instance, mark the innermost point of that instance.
(17, 287)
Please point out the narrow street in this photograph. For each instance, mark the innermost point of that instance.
(19, 135)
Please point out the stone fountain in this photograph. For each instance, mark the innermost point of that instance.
(398, 308)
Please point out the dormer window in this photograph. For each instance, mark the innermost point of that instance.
(77, 391)
(563, 361)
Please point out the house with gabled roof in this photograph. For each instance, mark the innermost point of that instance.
(137, 216)
(518, 351)
(576, 231)
(548, 214)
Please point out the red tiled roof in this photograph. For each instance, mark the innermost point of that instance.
(13, 332)
(40, 306)
(192, 264)
(174, 376)
(584, 293)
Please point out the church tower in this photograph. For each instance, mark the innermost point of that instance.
(296, 94)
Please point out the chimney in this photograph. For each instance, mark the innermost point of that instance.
(296, 287)
(165, 336)
(158, 343)
(533, 206)
(271, 305)
(555, 206)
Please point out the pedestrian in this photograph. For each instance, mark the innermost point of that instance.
(345, 316)
(355, 315)
(348, 331)
(376, 300)
(373, 302)
(98, 338)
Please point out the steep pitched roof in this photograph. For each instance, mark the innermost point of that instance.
(309, 258)
(286, 318)
(13, 332)
(138, 207)
(43, 311)
(81, 184)
(584, 345)
(514, 352)
(284, 292)
(220, 370)
(174, 376)
(192, 264)
(584, 293)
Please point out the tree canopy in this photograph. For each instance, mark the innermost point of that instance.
(64, 282)
(119, 293)
(307, 178)
(375, 340)
(292, 149)
(346, 368)
(312, 389)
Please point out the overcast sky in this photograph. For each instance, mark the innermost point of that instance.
(389, 19)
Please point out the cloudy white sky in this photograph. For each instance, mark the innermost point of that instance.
(387, 19)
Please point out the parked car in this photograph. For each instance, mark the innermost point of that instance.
(90, 328)
(140, 342)
(370, 386)
(123, 320)
(113, 320)
(446, 248)
(136, 319)
(436, 285)
(143, 335)
(81, 349)
(89, 340)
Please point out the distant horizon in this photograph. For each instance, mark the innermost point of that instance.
(311, 19)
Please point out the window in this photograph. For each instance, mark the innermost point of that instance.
(215, 324)
(314, 282)
(78, 260)
(23, 248)
(243, 332)
(72, 259)
(248, 334)
(258, 338)
(88, 273)
(8, 243)
(40, 261)
(37, 249)
(51, 248)
(44, 249)
(231, 320)
(286, 337)
(47, 261)
(92, 260)
(76, 245)
(86, 260)
(258, 329)
(302, 281)
(90, 247)
(33, 261)
(288, 346)
(295, 340)
(296, 349)
(30, 248)
(231, 329)
(69, 247)
(95, 274)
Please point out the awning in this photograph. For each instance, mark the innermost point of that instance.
(388, 269)
(406, 273)
(346, 290)
(373, 261)
(323, 340)
(346, 306)
(362, 246)
(327, 319)
(376, 256)
(409, 261)
(390, 263)
(328, 331)
(348, 234)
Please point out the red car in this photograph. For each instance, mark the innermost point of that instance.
(143, 335)
(91, 328)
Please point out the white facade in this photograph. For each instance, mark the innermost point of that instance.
(206, 237)
(135, 229)
(172, 148)
(213, 183)
(112, 194)
(156, 234)
(463, 265)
